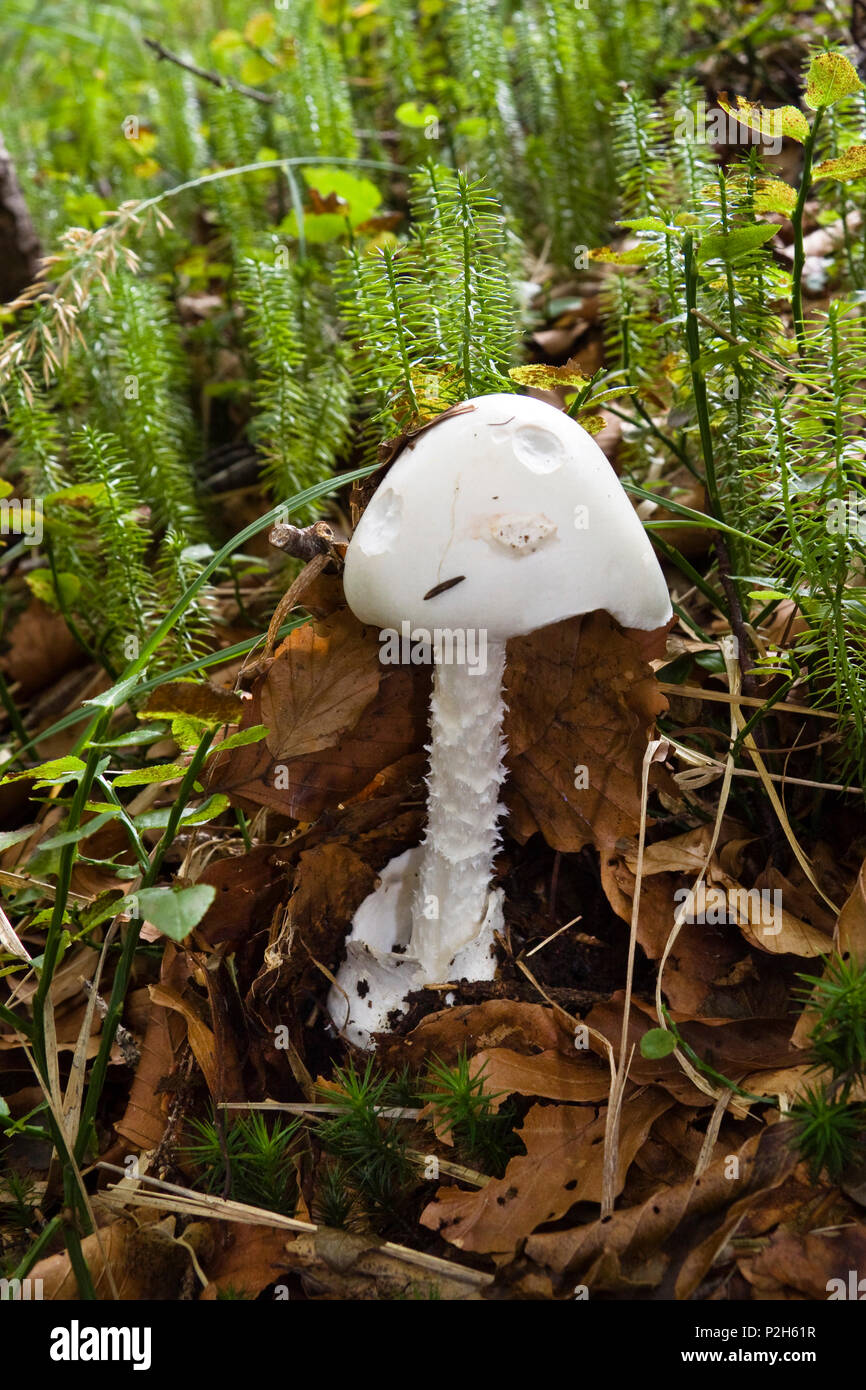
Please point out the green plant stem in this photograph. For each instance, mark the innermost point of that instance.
(124, 966)
(797, 224)
(42, 1241)
(64, 880)
(732, 593)
(12, 710)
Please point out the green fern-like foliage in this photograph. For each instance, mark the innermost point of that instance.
(119, 586)
(316, 106)
(302, 393)
(433, 320)
(138, 373)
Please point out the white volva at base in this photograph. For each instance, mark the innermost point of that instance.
(374, 979)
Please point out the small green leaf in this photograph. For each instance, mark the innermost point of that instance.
(8, 838)
(831, 77)
(72, 837)
(645, 224)
(68, 769)
(254, 734)
(636, 255)
(193, 815)
(159, 772)
(256, 69)
(730, 246)
(173, 911)
(147, 733)
(657, 1043)
(42, 586)
(416, 116)
(259, 28)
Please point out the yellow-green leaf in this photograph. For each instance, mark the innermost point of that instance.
(259, 28)
(773, 195)
(42, 586)
(850, 165)
(636, 256)
(545, 378)
(593, 423)
(771, 123)
(831, 77)
(255, 70)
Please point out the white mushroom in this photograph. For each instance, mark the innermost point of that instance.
(503, 518)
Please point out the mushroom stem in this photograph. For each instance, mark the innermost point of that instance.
(463, 809)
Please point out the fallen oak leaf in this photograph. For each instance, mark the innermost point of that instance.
(562, 1165)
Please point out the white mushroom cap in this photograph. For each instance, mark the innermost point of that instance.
(518, 502)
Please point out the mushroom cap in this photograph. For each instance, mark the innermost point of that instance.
(515, 501)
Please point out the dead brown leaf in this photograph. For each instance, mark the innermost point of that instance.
(551, 1075)
(140, 1250)
(323, 678)
(245, 1259)
(579, 695)
(562, 1165)
(471, 1028)
(818, 1265)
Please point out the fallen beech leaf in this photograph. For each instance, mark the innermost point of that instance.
(321, 680)
(197, 700)
(144, 1119)
(142, 1254)
(720, 900)
(549, 1074)
(201, 1038)
(579, 696)
(821, 1266)
(473, 1027)
(562, 1165)
(248, 888)
(852, 921)
(331, 882)
(245, 1259)
(646, 1246)
(733, 1047)
(391, 726)
(40, 650)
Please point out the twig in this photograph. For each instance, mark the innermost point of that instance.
(170, 1195)
(266, 98)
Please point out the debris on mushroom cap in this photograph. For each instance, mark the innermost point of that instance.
(515, 497)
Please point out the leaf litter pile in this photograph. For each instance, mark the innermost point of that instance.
(240, 1147)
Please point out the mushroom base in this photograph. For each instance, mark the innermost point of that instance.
(377, 975)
